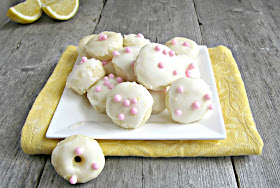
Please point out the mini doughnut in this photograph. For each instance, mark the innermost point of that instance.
(78, 159)
(82, 46)
(157, 66)
(135, 40)
(159, 101)
(183, 46)
(124, 62)
(97, 94)
(188, 100)
(108, 67)
(129, 105)
(102, 45)
(84, 75)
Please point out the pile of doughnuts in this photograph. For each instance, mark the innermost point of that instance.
(129, 78)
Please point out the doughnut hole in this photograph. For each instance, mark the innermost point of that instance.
(78, 160)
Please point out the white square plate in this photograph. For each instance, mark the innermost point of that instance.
(74, 115)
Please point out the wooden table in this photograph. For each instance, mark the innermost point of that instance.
(251, 29)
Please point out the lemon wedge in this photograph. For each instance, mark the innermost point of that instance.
(26, 12)
(61, 9)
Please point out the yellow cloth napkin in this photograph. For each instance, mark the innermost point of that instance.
(242, 135)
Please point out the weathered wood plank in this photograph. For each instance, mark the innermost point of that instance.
(23, 75)
(251, 30)
(158, 21)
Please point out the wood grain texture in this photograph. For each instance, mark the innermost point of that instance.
(23, 73)
(251, 30)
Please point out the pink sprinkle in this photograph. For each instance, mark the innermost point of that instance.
(73, 179)
(175, 72)
(79, 151)
(165, 52)
(160, 65)
(84, 59)
(111, 86)
(140, 35)
(171, 53)
(188, 73)
(191, 66)
(106, 78)
(116, 53)
(121, 116)
(207, 97)
(134, 111)
(157, 48)
(111, 76)
(180, 89)
(102, 36)
(119, 79)
(106, 83)
(132, 63)
(128, 50)
(186, 44)
(126, 103)
(104, 62)
(81, 62)
(97, 89)
(95, 166)
(196, 105)
(75, 66)
(117, 98)
(134, 101)
(210, 107)
(174, 41)
(178, 112)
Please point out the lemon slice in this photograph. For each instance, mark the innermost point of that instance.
(26, 12)
(61, 9)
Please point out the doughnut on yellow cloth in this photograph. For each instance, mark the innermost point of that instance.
(242, 135)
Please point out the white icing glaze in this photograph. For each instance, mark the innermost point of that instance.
(159, 101)
(148, 71)
(133, 40)
(63, 158)
(98, 98)
(129, 91)
(193, 90)
(124, 62)
(82, 46)
(85, 75)
(191, 50)
(102, 49)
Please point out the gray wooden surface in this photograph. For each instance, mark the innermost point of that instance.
(249, 28)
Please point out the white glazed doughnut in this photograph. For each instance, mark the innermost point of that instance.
(157, 66)
(82, 46)
(188, 100)
(97, 94)
(135, 40)
(123, 61)
(102, 45)
(78, 159)
(108, 67)
(159, 101)
(129, 105)
(183, 46)
(84, 75)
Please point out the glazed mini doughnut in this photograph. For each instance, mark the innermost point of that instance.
(129, 105)
(82, 46)
(123, 61)
(157, 66)
(188, 100)
(183, 46)
(159, 101)
(78, 159)
(102, 45)
(84, 75)
(97, 94)
(108, 67)
(135, 40)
